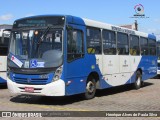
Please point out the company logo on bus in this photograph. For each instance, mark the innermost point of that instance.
(125, 63)
(28, 80)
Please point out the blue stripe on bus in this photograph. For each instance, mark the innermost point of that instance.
(2, 80)
(152, 36)
(149, 66)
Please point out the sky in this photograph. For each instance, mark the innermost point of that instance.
(116, 12)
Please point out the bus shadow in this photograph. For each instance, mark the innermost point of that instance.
(45, 100)
(3, 86)
(145, 84)
(156, 77)
(119, 89)
(39, 100)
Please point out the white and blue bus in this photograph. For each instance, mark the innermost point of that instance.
(4, 44)
(62, 55)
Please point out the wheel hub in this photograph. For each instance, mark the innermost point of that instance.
(90, 87)
(138, 81)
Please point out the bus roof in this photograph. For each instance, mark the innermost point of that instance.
(102, 25)
(92, 23)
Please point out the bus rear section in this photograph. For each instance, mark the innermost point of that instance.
(3, 65)
(4, 41)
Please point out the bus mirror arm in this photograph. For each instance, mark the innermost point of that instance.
(68, 27)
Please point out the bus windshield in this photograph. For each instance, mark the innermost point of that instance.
(38, 48)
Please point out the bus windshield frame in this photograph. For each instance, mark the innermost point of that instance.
(40, 46)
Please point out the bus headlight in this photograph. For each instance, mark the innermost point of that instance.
(58, 74)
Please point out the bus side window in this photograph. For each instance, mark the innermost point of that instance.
(94, 41)
(75, 48)
(109, 42)
(144, 46)
(122, 44)
(152, 46)
(134, 45)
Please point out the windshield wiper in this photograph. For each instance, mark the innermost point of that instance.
(41, 38)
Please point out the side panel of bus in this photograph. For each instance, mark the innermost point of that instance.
(3, 64)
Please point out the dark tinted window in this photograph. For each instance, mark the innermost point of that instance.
(4, 46)
(3, 51)
(122, 44)
(75, 47)
(144, 46)
(152, 46)
(134, 45)
(4, 41)
(158, 50)
(94, 41)
(109, 42)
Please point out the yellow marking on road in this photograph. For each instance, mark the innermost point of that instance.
(45, 106)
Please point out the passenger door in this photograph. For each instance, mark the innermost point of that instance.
(75, 60)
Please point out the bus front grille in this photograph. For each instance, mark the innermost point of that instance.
(31, 81)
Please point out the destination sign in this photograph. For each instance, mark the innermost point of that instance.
(118, 29)
(39, 22)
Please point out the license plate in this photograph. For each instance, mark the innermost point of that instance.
(29, 89)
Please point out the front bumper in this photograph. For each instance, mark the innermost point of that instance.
(56, 88)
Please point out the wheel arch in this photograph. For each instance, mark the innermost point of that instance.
(96, 76)
(139, 69)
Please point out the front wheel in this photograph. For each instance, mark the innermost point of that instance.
(138, 81)
(90, 89)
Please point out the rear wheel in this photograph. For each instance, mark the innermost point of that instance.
(90, 88)
(138, 81)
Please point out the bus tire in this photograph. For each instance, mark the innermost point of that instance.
(90, 88)
(138, 80)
